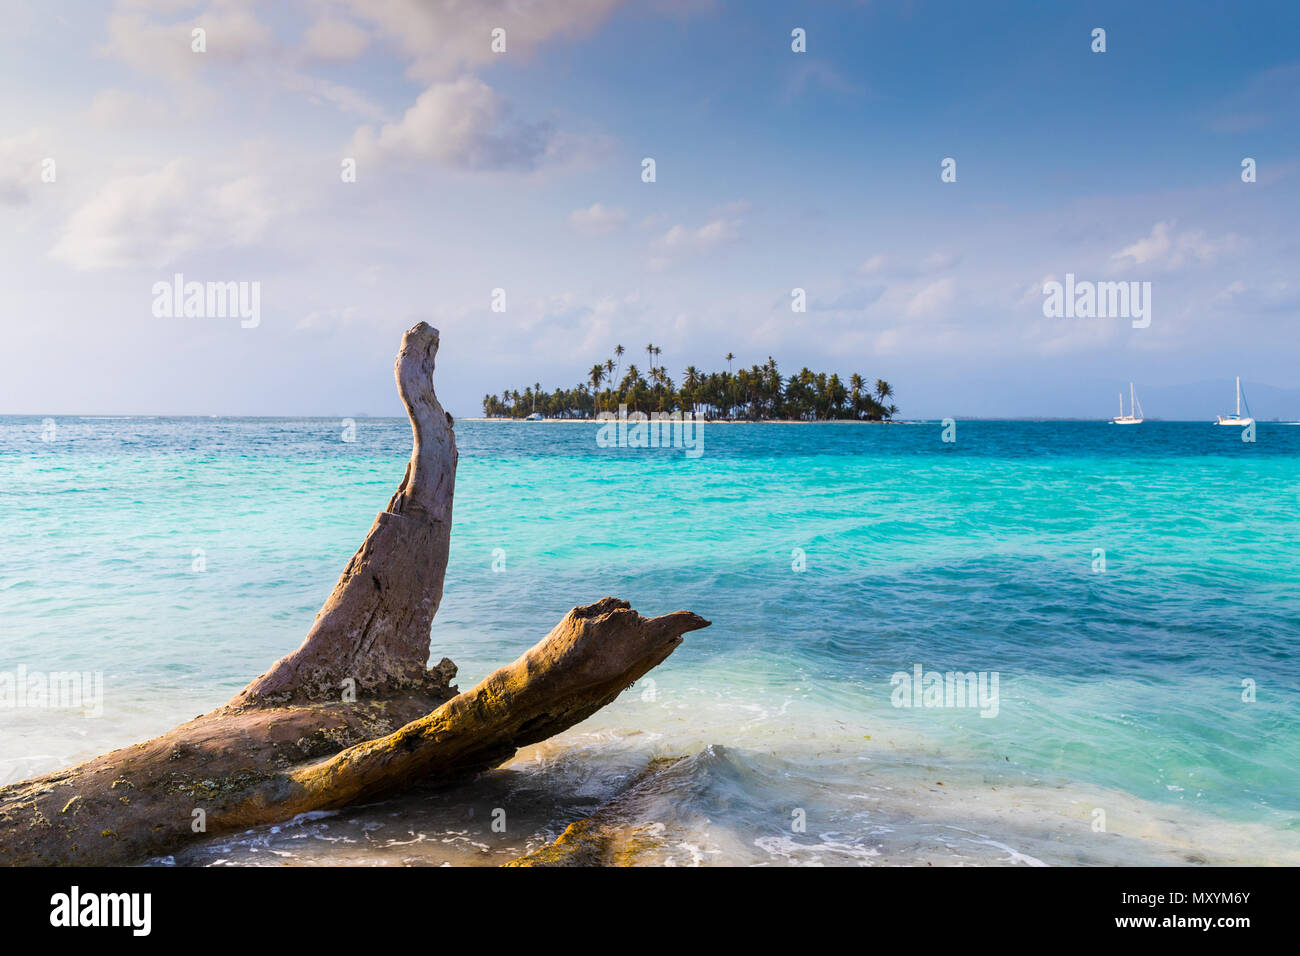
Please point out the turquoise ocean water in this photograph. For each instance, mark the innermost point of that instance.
(829, 557)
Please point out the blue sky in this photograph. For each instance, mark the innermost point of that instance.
(775, 170)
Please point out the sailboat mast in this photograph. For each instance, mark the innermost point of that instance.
(1238, 396)
(1132, 406)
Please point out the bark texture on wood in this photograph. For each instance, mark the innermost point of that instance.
(586, 661)
(374, 628)
(288, 743)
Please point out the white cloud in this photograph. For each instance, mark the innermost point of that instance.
(20, 167)
(931, 299)
(597, 220)
(334, 39)
(710, 234)
(320, 90)
(443, 37)
(1232, 289)
(232, 35)
(464, 124)
(119, 109)
(683, 242)
(1269, 98)
(873, 266)
(1154, 246)
(1168, 249)
(155, 218)
(151, 47)
(882, 265)
(720, 230)
(809, 74)
(456, 121)
(1033, 295)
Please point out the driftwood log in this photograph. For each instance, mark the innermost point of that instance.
(355, 712)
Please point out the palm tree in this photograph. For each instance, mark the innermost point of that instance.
(731, 387)
(630, 388)
(691, 382)
(883, 389)
(609, 374)
(836, 394)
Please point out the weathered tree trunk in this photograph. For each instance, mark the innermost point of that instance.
(295, 739)
(374, 628)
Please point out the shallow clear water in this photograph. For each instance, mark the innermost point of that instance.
(1119, 690)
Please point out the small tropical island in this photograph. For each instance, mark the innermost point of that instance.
(755, 394)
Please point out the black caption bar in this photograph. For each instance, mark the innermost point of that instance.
(335, 905)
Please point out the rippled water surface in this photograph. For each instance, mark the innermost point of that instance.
(1126, 585)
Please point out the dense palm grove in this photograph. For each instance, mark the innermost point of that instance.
(757, 393)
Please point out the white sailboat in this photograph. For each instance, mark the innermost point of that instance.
(1237, 418)
(535, 416)
(1134, 416)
